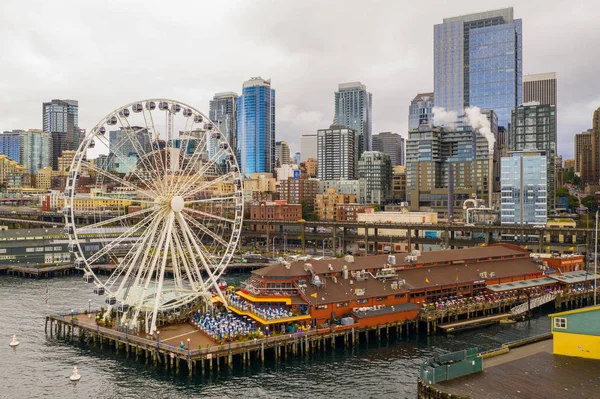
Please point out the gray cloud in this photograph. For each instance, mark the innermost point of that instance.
(106, 54)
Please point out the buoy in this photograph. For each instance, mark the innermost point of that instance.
(75, 376)
(14, 342)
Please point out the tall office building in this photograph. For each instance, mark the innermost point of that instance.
(337, 153)
(353, 109)
(478, 62)
(533, 127)
(282, 153)
(61, 119)
(222, 111)
(10, 145)
(583, 143)
(308, 146)
(376, 169)
(420, 111)
(36, 150)
(523, 188)
(256, 126)
(540, 87)
(391, 144)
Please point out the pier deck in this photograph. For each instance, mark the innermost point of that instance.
(530, 371)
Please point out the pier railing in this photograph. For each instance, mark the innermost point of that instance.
(251, 344)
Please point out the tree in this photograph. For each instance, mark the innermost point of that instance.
(562, 192)
(589, 201)
(306, 211)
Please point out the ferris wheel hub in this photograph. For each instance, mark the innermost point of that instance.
(177, 203)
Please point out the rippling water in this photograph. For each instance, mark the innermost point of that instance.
(40, 366)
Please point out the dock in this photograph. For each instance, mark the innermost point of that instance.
(529, 371)
(473, 323)
(202, 356)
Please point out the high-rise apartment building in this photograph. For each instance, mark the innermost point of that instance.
(282, 153)
(256, 126)
(61, 119)
(297, 191)
(353, 109)
(376, 169)
(523, 188)
(540, 87)
(558, 171)
(399, 183)
(337, 153)
(36, 150)
(533, 127)
(478, 62)
(10, 145)
(420, 111)
(308, 146)
(392, 144)
(222, 111)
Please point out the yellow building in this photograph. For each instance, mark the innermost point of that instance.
(13, 174)
(425, 218)
(65, 160)
(326, 204)
(312, 167)
(43, 178)
(577, 332)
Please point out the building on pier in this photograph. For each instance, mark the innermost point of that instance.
(577, 332)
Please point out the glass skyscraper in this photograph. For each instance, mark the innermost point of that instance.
(523, 189)
(420, 111)
(61, 119)
(533, 127)
(256, 126)
(36, 149)
(478, 62)
(353, 109)
(223, 113)
(10, 145)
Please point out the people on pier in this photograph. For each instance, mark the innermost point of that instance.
(268, 311)
(222, 326)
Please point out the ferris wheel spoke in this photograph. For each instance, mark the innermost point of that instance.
(116, 219)
(128, 233)
(151, 267)
(188, 272)
(129, 261)
(135, 143)
(116, 153)
(200, 174)
(209, 215)
(117, 179)
(161, 275)
(202, 258)
(207, 184)
(215, 199)
(206, 230)
(156, 150)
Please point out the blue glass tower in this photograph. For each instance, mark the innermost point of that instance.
(478, 62)
(256, 126)
(10, 145)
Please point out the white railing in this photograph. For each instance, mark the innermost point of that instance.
(534, 303)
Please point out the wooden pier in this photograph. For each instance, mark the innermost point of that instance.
(202, 356)
(38, 271)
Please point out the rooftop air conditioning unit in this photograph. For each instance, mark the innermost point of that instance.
(392, 259)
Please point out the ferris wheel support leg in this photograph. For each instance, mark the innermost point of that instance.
(162, 273)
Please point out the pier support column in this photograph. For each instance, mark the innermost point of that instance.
(190, 368)
(262, 353)
(409, 238)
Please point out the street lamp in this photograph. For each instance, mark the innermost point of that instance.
(188, 347)
(158, 339)
(89, 306)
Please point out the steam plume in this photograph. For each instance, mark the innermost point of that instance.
(481, 123)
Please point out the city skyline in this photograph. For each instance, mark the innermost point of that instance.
(306, 65)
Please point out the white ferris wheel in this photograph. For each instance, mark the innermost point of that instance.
(163, 204)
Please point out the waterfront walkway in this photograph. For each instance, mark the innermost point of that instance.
(530, 371)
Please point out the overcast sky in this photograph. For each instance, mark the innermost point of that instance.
(110, 53)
